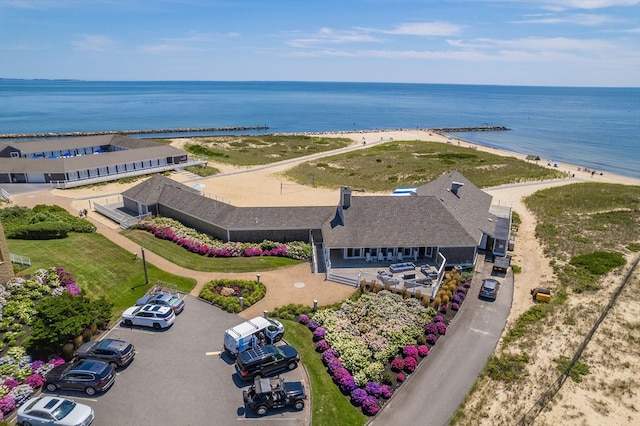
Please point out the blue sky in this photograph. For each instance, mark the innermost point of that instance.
(511, 42)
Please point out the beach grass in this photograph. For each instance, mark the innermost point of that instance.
(194, 261)
(242, 150)
(100, 267)
(384, 167)
(330, 407)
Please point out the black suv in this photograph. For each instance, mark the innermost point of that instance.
(266, 394)
(265, 360)
(84, 375)
(118, 353)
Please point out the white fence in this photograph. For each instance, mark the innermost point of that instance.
(20, 260)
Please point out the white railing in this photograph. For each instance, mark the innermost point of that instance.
(125, 221)
(4, 195)
(20, 260)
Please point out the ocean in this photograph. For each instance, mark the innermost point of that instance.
(596, 128)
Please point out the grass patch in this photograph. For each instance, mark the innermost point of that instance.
(413, 163)
(578, 370)
(330, 407)
(183, 257)
(202, 170)
(100, 267)
(524, 322)
(241, 150)
(507, 368)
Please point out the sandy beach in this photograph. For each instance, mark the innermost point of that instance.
(266, 186)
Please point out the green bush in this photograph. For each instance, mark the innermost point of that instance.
(578, 369)
(42, 223)
(599, 262)
(251, 292)
(508, 368)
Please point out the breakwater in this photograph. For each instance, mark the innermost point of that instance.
(130, 132)
(470, 129)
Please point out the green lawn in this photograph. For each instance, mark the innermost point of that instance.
(182, 257)
(329, 406)
(100, 267)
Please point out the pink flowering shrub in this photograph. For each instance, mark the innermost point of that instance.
(319, 334)
(35, 380)
(410, 364)
(304, 319)
(321, 346)
(423, 350)
(441, 328)
(386, 391)
(400, 377)
(397, 364)
(7, 403)
(410, 351)
(370, 406)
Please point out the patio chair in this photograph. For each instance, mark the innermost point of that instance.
(367, 257)
(380, 257)
(390, 256)
(399, 257)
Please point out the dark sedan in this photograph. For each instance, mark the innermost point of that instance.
(118, 353)
(84, 375)
(173, 301)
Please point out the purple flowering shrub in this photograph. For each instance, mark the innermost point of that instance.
(456, 299)
(410, 352)
(373, 389)
(319, 334)
(455, 306)
(304, 319)
(410, 364)
(438, 318)
(35, 380)
(443, 309)
(329, 355)
(321, 346)
(358, 396)
(313, 325)
(11, 383)
(423, 350)
(7, 403)
(347, 384)
(432, 338)
(431, 328)
(461, 290)
(397, 364)
(370, 406)
(441, 328)
(386, 391)
(334, 364)
(466, 284)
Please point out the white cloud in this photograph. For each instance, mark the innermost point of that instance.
(589, 4)
(579, 19)
(426, 29)
(93, 43)
(332, 37)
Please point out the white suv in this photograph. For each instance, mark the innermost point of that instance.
(156, 316)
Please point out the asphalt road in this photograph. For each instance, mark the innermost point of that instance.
(440, 383)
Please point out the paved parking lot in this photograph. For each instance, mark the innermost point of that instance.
(178, 377)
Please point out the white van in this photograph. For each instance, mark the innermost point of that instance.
(247, 335)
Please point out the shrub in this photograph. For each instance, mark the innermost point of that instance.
(329, 355)
(334, 364)
(347, 384)
(386, 379)
(321, 346)
(319, 334)
(432, 339)
(410, 364)
(455, 306)
(441, 328)
(438, 318)
(370, 406)
(304, 319)
(423, 350)
(431, 328)
(386, 391)
(373, 389)
(400, 377)
(358, 396)
(313, 325)
(443, 309)
(410, 351)
(397, 364)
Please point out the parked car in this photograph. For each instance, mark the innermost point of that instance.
(85, 375)
(164, 299)
(53, 410)
(265, 360)
(268, 393)
(118, 353)
(489, 289)
(156, 316)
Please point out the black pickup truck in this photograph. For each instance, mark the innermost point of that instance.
(268, 393)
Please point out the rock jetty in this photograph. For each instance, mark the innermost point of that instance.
(470, 129)
(132, 132)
